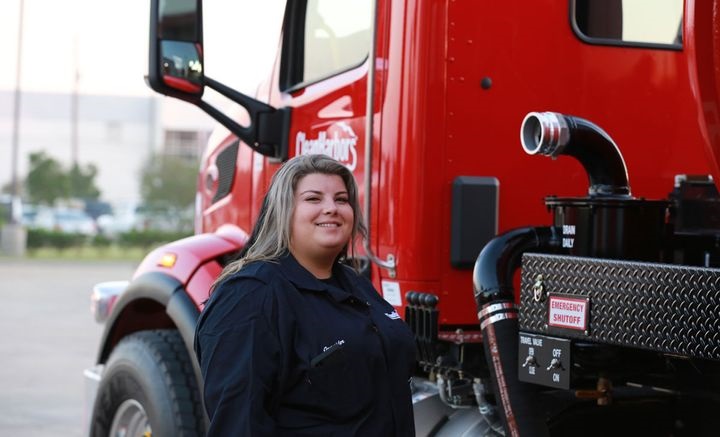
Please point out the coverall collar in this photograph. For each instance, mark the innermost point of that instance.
(302, 278)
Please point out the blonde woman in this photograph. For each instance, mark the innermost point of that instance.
(294, 342)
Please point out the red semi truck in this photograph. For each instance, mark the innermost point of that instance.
(548, 296)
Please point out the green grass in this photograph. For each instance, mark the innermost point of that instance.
(86, 253)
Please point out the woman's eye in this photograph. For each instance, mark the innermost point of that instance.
(342, 200)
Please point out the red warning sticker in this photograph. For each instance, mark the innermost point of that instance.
(568, 312)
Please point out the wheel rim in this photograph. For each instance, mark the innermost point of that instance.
(130, 421)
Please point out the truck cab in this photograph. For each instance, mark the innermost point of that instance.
(438, 108)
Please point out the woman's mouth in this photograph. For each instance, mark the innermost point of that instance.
(328, 225)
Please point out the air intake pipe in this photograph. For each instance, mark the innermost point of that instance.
(609, 222)
(498, 315)
(553, 134)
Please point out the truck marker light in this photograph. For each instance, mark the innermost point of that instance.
(168, 260)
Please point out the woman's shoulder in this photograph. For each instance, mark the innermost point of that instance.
(255, 280)
(244, 294)
(264, 271)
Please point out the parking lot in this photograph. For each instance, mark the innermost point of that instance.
(48, 337)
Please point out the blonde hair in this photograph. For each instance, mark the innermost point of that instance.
(270, 238)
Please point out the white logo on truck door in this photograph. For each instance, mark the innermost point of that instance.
(338, 141)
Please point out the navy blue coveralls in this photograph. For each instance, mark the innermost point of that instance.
(283, 353)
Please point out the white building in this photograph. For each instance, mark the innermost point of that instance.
(115, 133)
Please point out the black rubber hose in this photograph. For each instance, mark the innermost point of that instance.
(494, 295)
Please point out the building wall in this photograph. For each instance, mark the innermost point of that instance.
(115, 133)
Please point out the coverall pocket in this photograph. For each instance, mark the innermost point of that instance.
(339, 387)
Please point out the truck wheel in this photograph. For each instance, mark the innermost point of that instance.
(148, 388)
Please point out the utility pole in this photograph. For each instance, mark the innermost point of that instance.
(75, 166)
(76, 79)
(14, 236)
(14, 214)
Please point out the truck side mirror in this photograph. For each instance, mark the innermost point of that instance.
(175, 65)
(175, 68)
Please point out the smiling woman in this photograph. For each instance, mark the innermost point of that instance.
(294, 341)
(322, 222)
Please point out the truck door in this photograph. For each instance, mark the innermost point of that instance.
(321, 74)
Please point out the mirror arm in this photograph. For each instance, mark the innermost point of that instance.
(269, 127)
(251, 105)
(246, 134)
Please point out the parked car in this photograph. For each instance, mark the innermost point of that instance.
(124, 217)
(28, 215)
(65, 220)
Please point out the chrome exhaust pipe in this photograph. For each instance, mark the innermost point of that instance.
(554, 134)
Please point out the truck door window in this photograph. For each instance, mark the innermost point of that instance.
(643, 23)
(333, 36)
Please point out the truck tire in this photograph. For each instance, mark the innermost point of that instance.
(148, 388)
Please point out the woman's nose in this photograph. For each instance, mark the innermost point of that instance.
(329, 207)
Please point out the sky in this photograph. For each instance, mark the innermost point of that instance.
(106, 41)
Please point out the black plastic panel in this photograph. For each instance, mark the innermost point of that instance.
(474, 217)
(225, 162)
(659, 307)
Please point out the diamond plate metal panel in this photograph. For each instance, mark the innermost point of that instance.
(659, 307)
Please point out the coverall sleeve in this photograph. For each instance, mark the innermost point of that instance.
(238, 350)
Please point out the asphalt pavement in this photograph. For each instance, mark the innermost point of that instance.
(47, 338)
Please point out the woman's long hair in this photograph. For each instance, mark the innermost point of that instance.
(270, 238)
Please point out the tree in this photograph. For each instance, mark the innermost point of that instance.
(46, 180)
(168, 182)
(82, 182)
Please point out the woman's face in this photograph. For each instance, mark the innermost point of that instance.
(322, 220)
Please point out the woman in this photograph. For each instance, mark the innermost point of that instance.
(292, 342)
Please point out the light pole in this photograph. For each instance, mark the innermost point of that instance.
(14, 236)
(75, 166)
(15, 214)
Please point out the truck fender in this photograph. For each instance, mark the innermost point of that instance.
(160, 297)
(153, 300)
